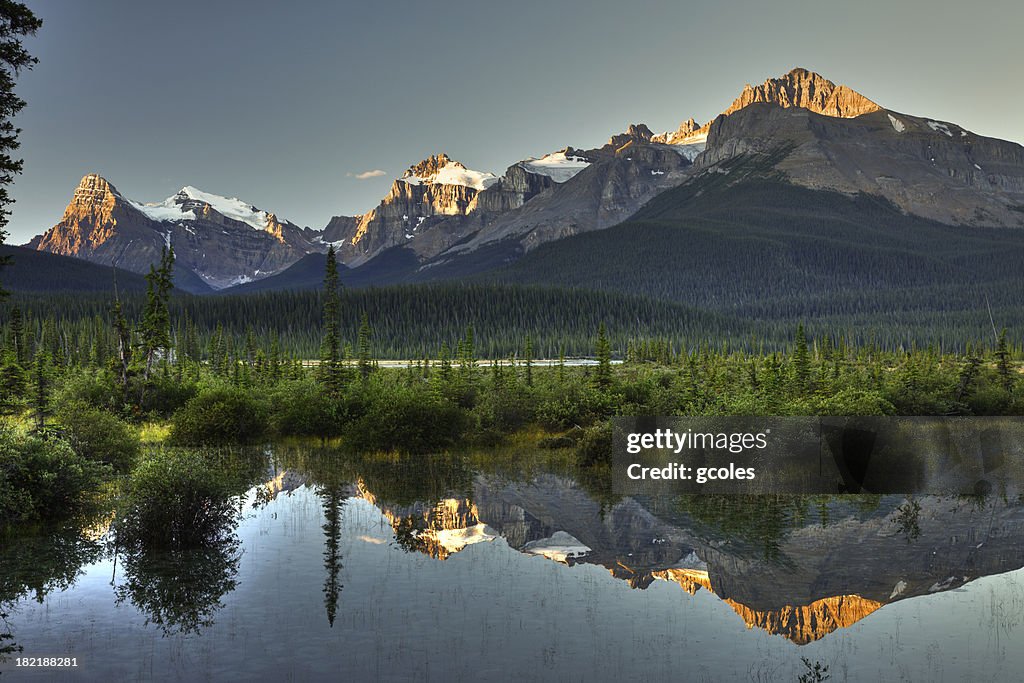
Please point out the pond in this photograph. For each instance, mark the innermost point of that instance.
(461, 568)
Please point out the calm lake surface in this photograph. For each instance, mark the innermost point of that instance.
(461, 569)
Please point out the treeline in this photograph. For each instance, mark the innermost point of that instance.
(413, 321)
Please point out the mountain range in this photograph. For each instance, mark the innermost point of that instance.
(849, 172)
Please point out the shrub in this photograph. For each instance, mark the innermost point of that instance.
(219, 415)
(98, 435)
(42, 479)
(95, 389)
(855, 402)
(595, 446)
(302, 408)
(177, 498)
(406, 420)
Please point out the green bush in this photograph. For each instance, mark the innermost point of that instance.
(219, 415)
(98, 435)
(164, 395)
(177, 498)
(406, 420)
(95, 389)
(43, 479)
(595, 447)
(302, 408)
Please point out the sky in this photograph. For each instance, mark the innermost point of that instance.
(310, 109)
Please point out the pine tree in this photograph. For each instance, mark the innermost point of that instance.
(16, 22)
(123, 337)
(17, 328)
(331, 366)
(13, 384)
(1003, 362)
(801, 363)
(528, 353)
(41, 390)
(365, 356)
(155, 331)
(603, 351)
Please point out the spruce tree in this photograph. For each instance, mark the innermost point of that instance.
(331, 368)
(365, 356)
(1003, 362)
(16, 22)
(528, 353)
(603, 351)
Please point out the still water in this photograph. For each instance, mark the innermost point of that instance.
(458, 569)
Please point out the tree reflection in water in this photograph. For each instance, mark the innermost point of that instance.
(35, 566)
(176, 539)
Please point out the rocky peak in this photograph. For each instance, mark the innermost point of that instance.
(430, 167)
(687, 129)
(807, 90)
(637, 132)
(93, 194)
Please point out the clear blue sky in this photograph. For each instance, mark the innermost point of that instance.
(283, 104)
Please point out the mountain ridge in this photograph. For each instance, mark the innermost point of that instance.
(439, 211)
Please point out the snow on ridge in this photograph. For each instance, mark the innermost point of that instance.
(172, 210)
(454, 173)
(163, 211)
(897, 125)
(556, 166)
(232, 207)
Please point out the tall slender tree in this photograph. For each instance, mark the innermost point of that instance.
(331, 367)
(16, 22)
(603, 351)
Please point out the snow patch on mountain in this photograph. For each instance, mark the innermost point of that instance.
(556, 166)
(173, 208)
(690, 146)
(897, 125)
(454, 173)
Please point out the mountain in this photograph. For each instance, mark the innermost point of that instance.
(438, 201)
(443, 220)
(747, 242)
(39, 271)
(222, 240)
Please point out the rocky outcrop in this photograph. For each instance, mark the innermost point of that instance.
(806, 90)
(436, 203)
(687, 129)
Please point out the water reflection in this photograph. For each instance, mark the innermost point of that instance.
(455, 579)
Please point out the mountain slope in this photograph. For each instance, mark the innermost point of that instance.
(39, 271)
(750, 243)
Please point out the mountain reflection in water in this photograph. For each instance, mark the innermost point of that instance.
(318, 550)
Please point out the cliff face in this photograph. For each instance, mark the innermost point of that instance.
(436, 203)
(806, 90)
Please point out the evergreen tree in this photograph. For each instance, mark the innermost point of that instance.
(41, 390)
(603, 351)
(16, 22)
(528, 353)
(13, 384)
(17, 330)
(801, 363)
(365, 356)
(331, 366)
(1003, 362)
(155, 331)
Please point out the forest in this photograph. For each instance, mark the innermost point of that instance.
(79, 407)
